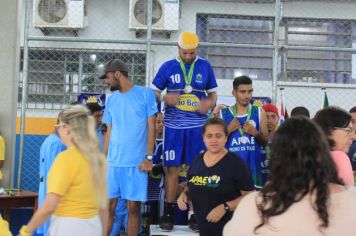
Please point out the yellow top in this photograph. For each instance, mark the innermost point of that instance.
(2, 152)
(4, 228)
(188, 40)
(71, 178)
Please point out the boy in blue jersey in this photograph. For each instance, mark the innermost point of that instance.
(191, 87)
(130, 118)
(151, 207)
(247, 126)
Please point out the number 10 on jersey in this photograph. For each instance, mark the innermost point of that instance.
(170, 155)
(175, 78)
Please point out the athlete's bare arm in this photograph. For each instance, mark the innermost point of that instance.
(208, 103)
(262, 137)
(107, 139)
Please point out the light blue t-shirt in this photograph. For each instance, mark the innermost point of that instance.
(49, 150)
(127, 113)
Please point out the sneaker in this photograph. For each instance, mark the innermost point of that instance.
(166, 223)
(145, 231)
(192, 223)
(122, 231)
(145, 227)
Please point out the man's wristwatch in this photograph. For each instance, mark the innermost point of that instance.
(149, 157)
(226, 207)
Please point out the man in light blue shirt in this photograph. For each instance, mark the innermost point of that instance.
(120, 212)
(129, 140)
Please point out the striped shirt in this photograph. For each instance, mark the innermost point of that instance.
(170, 77)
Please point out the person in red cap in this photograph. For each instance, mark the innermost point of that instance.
(272, 119)
(272, 125)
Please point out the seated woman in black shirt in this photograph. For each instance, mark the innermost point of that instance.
(217, 181)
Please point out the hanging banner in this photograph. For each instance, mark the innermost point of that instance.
(257, 101)
(85, 98)
(260, 101)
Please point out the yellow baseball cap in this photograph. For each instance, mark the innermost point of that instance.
(188, 40)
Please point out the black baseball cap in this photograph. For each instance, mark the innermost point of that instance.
(114, 65)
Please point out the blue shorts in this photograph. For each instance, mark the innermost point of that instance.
(128, 183)
(181, 145)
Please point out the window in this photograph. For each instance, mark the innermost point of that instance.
(229, 62)
(304, 66)
(57, 76)
(318, 66)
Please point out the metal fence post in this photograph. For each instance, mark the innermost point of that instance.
(277, 20)
(24, 94)
(148, 42)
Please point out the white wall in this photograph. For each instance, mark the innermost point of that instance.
(109, 19)
(9, 61)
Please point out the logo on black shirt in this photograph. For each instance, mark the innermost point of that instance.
(213, 181)
(208, 181)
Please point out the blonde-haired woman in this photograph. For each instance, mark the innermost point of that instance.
(76, 188)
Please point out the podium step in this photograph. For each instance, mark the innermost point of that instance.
(177, 230)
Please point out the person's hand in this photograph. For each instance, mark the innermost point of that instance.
(182, 201)
(250, 129)
(23, 231)
(216, 214)
(205, 105)
(233, 125)
(146, 165)
(157, 169)
(217, 109)
(171, 99)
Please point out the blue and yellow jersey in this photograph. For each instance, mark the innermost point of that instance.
(158, 153)
(245, 145)
(265, 155)
(170, 77)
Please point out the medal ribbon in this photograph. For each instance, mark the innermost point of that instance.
(268, 152)
(187, 78)
(234, 112)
